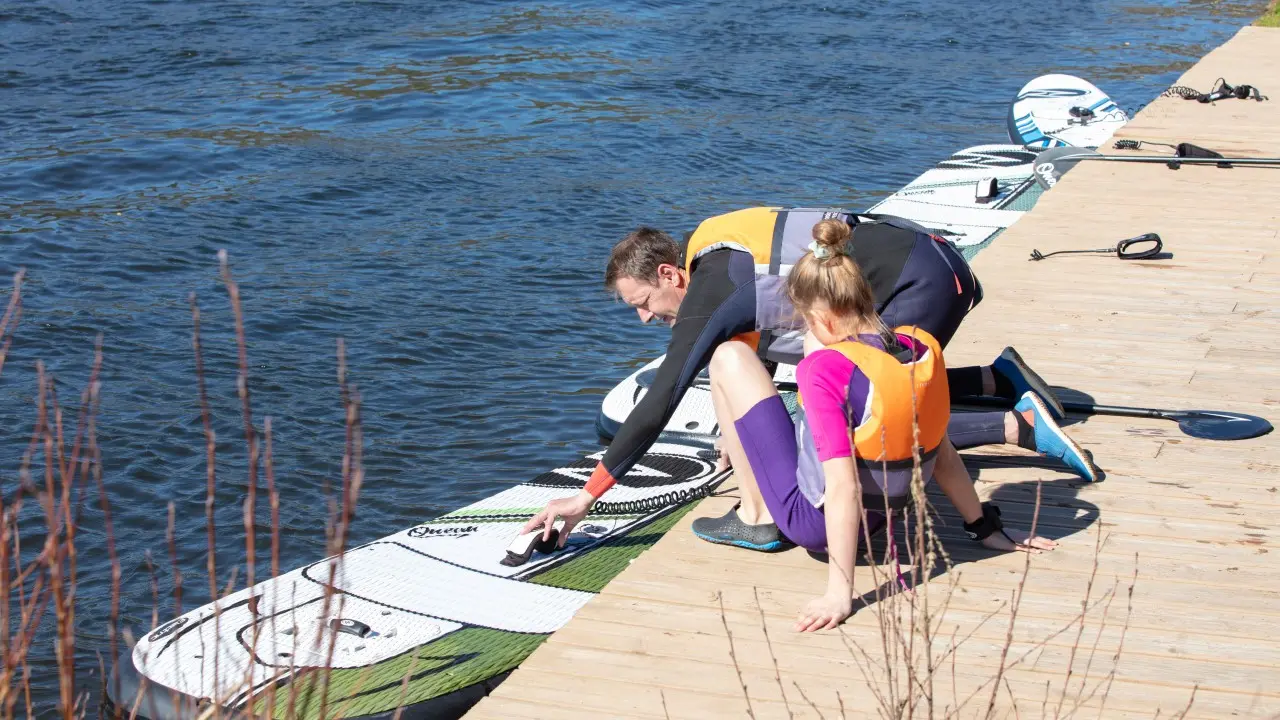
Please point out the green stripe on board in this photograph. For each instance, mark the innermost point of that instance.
(463, 657)
(455, 661)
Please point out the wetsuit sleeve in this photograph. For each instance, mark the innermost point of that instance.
(823, 378)
(714, 310)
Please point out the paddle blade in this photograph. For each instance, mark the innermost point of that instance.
(1215, 425)
(1051, 165)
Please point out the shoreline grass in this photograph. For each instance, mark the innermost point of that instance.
(1271, 16)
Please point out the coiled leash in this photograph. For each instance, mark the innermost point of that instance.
(1220, 91)
(1142, 247)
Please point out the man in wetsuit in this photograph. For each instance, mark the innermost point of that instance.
(728, 282)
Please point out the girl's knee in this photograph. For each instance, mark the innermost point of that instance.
(731, 358)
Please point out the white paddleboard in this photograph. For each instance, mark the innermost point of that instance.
(433, 603)
(430, 618)
(1063, 111)
(971, 197)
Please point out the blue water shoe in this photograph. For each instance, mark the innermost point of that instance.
(1052, 442)
(1012, 367)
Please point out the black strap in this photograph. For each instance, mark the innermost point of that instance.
(989, 523)
(775, 264)
(895, 221)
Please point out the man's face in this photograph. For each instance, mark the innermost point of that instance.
(661, 301)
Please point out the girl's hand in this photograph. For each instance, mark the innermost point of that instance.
(825, 612)
(1022, 541)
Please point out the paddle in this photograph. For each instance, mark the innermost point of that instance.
(1052, 164)
(1205, 424)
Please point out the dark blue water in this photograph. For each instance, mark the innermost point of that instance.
(439, 184)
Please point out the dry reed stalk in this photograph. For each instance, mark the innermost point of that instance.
(777, 673)
(49, 579)
(1084, 606)
(273, 498)
(210, 444)
(1014, 604)
(251, 444)
(12, 314)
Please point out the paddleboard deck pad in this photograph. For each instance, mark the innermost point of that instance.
(971, 197)
(428, 619)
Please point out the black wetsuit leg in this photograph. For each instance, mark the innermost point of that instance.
(935, 292)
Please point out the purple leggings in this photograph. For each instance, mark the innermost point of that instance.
(768, 436)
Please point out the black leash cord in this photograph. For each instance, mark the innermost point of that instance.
(1136, 144)
(1220, 91)
(1148, 246)
(653, 504)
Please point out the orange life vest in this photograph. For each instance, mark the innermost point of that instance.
(885, 442)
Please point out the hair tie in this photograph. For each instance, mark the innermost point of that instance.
(822, 252)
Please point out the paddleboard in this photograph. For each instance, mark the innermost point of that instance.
(1063, 110)
(971, 197)
(429, 618)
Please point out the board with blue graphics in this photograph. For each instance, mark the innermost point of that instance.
(1063, 111)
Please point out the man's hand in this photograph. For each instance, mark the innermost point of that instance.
(723, 462)
(570, 509)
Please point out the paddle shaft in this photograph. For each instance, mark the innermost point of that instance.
(1078, 408)
(1178, 160)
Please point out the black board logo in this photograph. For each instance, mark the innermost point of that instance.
(457, 531)
(166, 629)
(1011, 157)
(653, 470)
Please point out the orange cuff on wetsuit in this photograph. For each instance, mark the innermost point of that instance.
(600, 482)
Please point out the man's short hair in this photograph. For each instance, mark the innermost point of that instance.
(638, 256)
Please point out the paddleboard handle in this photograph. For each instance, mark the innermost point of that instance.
(350, 627)
(521, 550)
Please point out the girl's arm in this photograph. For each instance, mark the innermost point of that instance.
(843, 508)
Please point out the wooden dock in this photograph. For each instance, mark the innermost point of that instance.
(693, 630)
